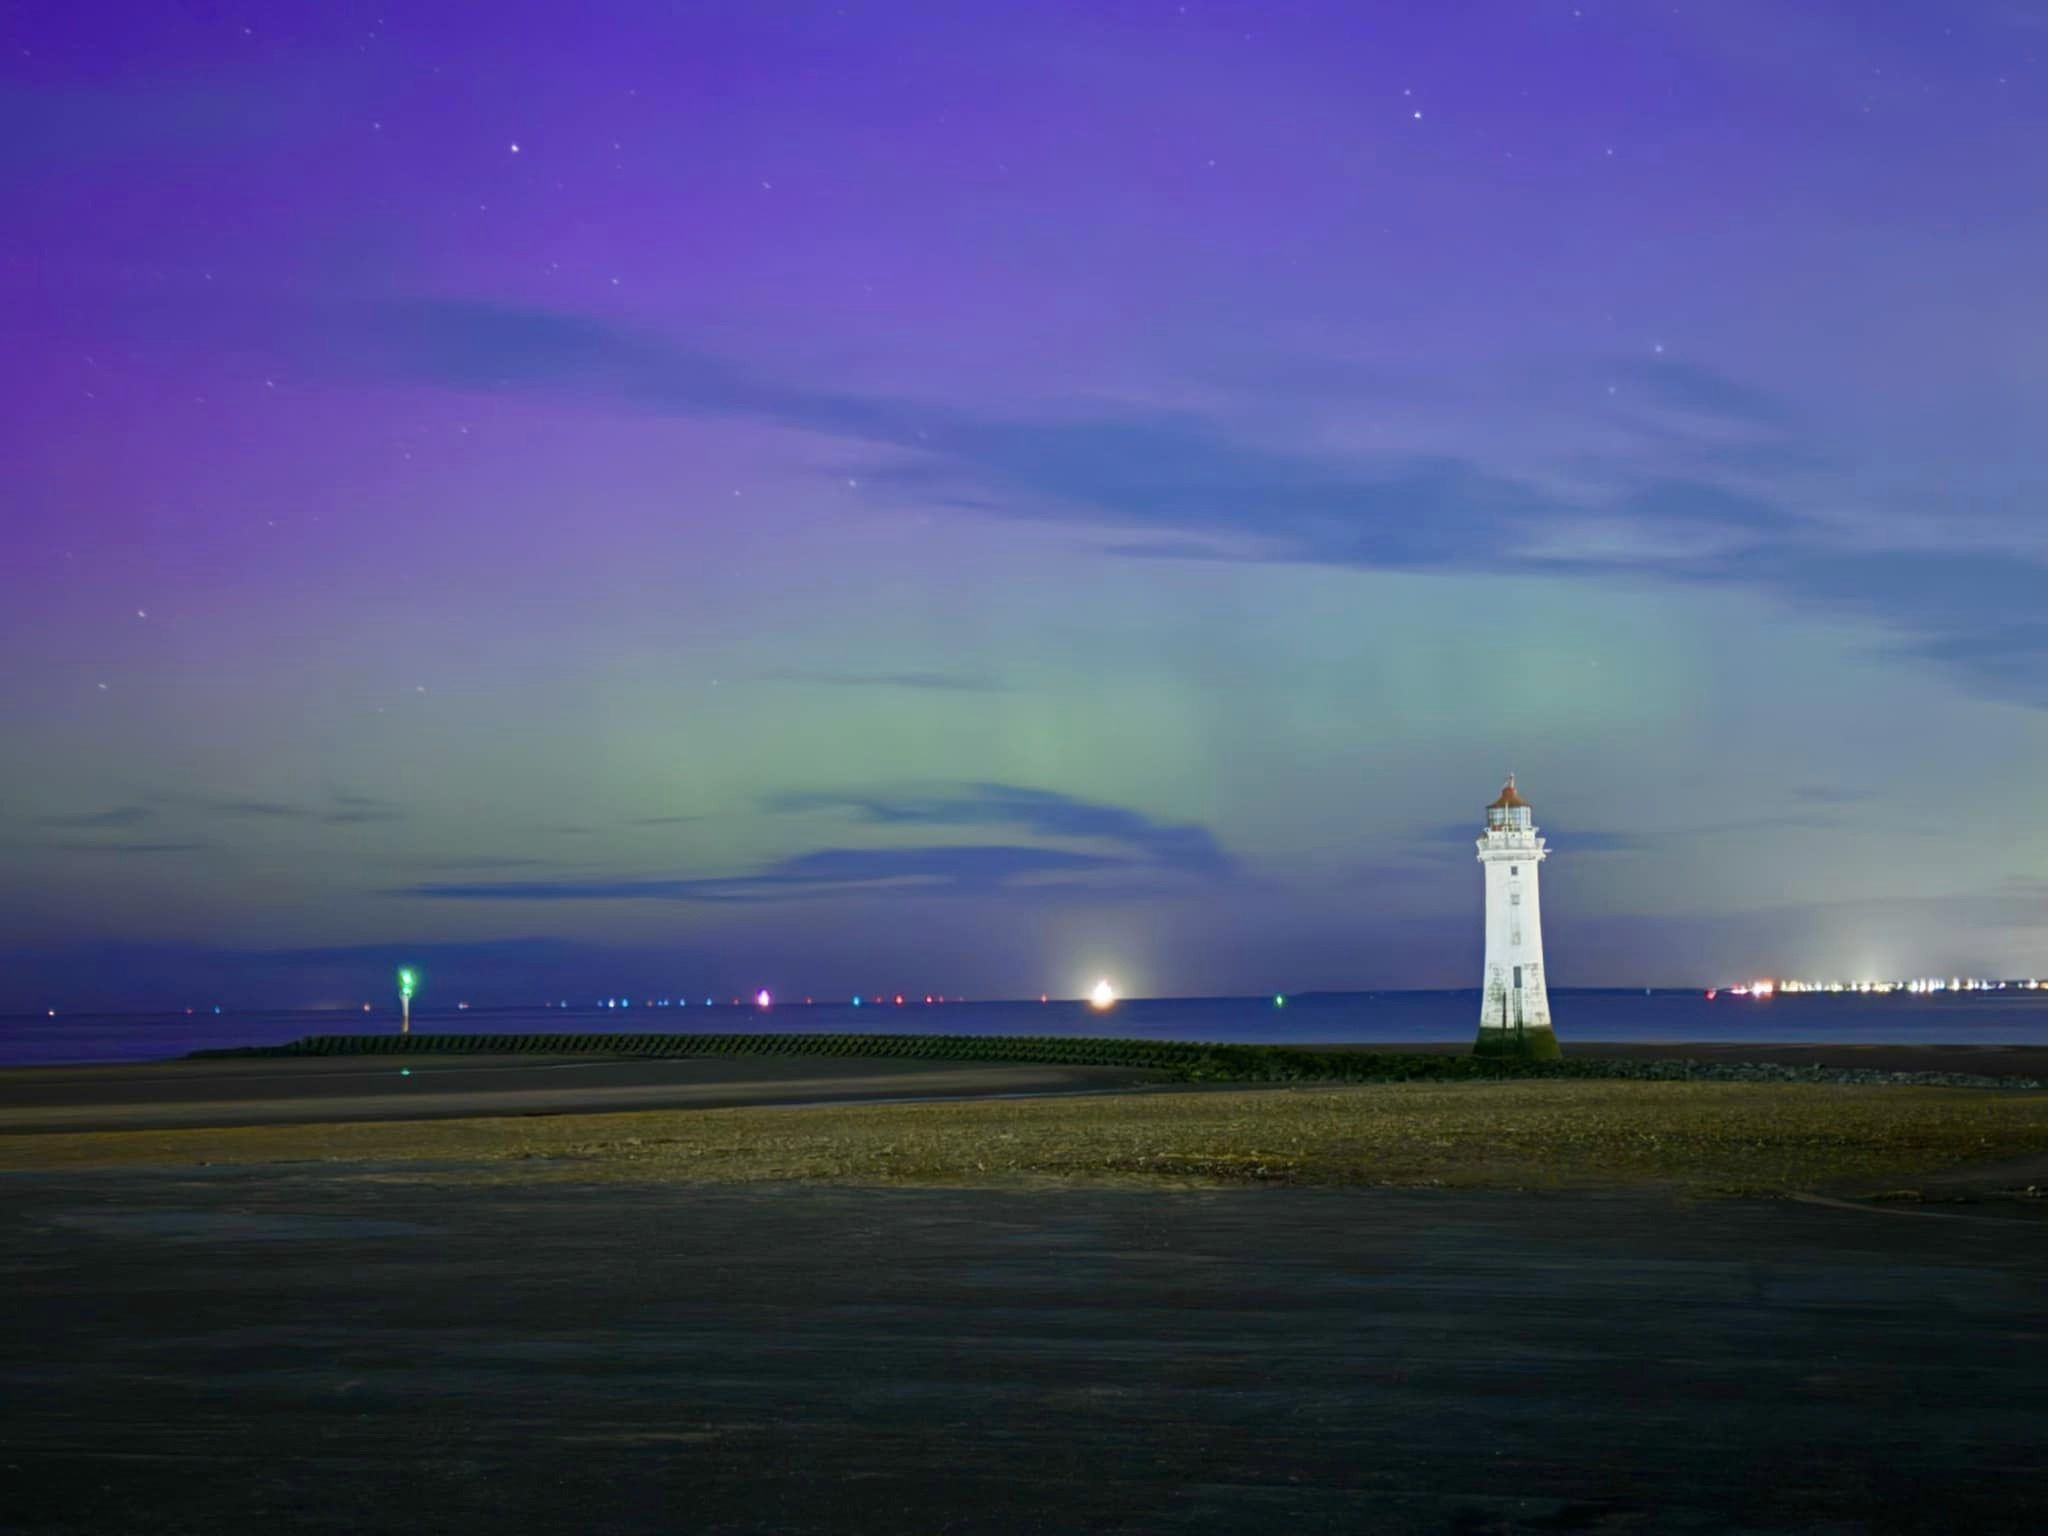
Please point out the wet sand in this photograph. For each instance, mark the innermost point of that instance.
(314, 1090)
(356, 1349)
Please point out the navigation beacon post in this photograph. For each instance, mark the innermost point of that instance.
(1514, 1008)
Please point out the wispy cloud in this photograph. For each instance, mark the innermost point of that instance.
(1830, 794)
(347, 809)
(265, 809)
(114, 816)
(46, 128)
(339, 809)
(482, 862)
(1186, 846)
(1703, 392)
(826, 871)
(123, 849)
(935, 682)
(1133, 849)
(1186, 485)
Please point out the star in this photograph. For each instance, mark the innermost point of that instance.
(515, 147)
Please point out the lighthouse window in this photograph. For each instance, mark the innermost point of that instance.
(1514, 898)
(1514, 869)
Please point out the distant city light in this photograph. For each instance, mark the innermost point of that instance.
(1279, 1000)
(762, 999)
(1104, 995)
(1916, 986)
(856, 1000)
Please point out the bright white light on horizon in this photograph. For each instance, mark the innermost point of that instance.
(1104, 995)
(762, 999)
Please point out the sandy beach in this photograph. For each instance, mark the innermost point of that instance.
(780, 1294)
(351, 1348)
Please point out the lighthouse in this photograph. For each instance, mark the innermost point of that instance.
(1514, 1006)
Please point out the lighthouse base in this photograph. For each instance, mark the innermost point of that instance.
(1523, 1043)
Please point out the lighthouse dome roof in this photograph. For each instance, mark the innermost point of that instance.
(1509, 798)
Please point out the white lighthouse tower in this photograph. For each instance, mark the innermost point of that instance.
(1514, 1007)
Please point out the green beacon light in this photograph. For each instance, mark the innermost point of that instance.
(408, 983)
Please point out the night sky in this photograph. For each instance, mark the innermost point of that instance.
(974, 497)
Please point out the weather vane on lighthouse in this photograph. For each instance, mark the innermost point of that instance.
(1514, 1007)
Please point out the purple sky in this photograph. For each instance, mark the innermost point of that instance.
(969, 498)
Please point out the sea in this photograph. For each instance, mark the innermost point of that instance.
(2014, 1016)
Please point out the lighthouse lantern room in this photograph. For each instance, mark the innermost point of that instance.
(1514, 1008)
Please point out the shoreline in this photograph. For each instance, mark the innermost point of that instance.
(1987, 1059)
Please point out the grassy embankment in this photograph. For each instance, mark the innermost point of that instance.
(1706, 1138)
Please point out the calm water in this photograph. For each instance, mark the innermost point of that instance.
(1995, 1018)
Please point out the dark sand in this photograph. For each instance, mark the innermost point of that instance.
(286, 1090)
(311, 1090)
(349, 1349)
